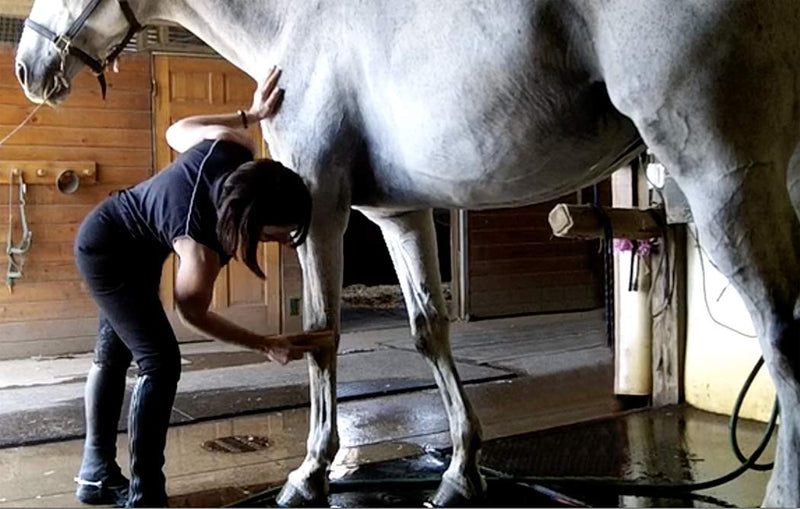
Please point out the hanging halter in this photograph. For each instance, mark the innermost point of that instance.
(64, 41)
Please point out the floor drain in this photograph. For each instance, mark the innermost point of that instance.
(236, 444)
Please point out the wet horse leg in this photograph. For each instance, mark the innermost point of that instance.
(411, 240)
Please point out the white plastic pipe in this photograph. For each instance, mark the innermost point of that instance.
(633, 367)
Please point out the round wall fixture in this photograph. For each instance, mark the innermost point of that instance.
(67, 182)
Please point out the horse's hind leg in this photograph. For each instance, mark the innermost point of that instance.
(753, 236)
(733, 173)
(411, 240)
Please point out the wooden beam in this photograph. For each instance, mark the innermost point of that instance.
(668, 266)
(585, 222)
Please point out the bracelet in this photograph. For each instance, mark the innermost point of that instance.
(244, 117)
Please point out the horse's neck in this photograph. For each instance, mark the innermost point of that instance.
(242, 31)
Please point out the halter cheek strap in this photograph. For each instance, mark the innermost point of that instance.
(64, 42)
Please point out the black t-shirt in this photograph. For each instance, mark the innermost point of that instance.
(179, 201)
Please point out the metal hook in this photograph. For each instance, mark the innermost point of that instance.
(14, 267)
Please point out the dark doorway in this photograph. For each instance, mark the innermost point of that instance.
(371, 297)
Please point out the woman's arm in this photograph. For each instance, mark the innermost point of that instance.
(190, 131)
(194, 287)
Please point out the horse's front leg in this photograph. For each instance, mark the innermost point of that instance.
(411, 240)
(321, 260)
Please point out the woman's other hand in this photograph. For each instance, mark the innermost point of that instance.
(267, 97)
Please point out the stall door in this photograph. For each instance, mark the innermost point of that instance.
(187, 86)
(515, 266)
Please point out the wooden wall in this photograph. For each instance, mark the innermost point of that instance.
(517, 267)
(49, 310)
(17, 8)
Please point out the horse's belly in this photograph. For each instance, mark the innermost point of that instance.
(523, 161)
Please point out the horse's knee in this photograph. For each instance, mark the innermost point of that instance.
(429, 328)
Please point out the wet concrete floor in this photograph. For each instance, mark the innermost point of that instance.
(570, 466)
(371, 430)
(564, 423)
(667, 448)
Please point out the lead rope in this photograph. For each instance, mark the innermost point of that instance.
(14, 265)
(22, 124)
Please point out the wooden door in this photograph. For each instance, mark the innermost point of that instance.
(186, 86)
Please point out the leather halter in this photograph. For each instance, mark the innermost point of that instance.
(64, 41)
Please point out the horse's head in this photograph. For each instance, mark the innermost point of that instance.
(61, 36)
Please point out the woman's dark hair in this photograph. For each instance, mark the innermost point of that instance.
(256, 194)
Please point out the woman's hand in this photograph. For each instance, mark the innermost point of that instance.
(283, 349)
(267, 98)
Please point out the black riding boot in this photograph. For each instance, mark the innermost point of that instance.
(100, 480)
(148, 421)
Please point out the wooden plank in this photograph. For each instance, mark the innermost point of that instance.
(533, 299)
(127, 175)
(46, 172)
(495, 237)
(27, 291)
(121, 100)
(46, 251)
(36, 136)
(536, 218)
(515, 282)
(50, 233)
(163, 156)
(49, 271)
(101, 155)
(669, 319)
(46, 329)
(16, 311)
(71, 117)
(57, 214)
(557, 247)
(584, 222)
(45, 195)
(529, 266)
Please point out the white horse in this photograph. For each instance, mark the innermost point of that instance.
(397, 106)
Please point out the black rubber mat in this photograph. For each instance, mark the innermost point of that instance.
(412, 482)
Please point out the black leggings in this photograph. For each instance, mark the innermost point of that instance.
(123, 275)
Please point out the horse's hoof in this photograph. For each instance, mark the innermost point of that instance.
(450, 494)
(292, 496)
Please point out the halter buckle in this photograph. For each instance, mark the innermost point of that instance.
(63, 43)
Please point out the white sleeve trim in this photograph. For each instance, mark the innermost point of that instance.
(196, 184)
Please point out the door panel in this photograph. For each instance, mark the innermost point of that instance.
(198, 85)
